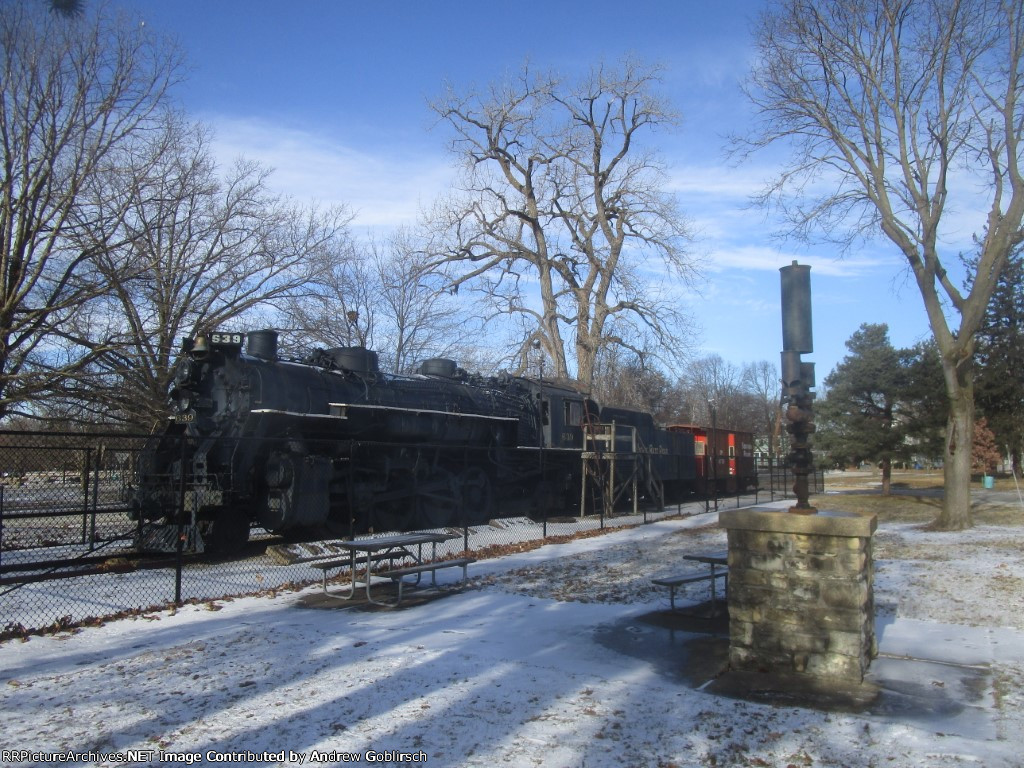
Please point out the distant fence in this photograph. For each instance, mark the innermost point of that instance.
(775, 480)
(69, 548)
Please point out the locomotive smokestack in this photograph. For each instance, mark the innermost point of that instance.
(263, 344)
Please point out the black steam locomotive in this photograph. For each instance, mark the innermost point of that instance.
(330, 444)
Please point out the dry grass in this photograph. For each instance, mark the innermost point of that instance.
(899, 508)
(868, 479)
(915, 497)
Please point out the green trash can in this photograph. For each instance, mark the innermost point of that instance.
(987, 481)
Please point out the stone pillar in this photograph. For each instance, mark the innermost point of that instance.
(801, 598)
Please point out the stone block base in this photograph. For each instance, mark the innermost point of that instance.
(801, 597)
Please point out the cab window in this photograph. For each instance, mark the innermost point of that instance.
(573, 416)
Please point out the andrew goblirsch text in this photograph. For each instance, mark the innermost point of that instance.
(165, 757)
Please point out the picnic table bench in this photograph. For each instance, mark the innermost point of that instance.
(398, 574)
(398, 547)
(719, 569)
(347, 561)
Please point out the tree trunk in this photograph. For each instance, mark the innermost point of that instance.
(886, 466)
(956, 504)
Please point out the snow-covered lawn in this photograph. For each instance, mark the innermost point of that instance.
(549, 657)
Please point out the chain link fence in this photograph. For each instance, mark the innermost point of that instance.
(71, 551)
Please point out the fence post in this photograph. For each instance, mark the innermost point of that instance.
(179, 562)
(136, 470)
(465, 515)
(95, 497)
(84, 475)
(350, 493)
(542, 499)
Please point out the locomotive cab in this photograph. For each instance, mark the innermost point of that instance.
(563, 412)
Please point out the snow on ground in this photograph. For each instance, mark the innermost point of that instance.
(547, 658)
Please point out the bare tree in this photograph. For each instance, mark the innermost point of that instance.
(887, 105)
(762, 381)
(420, 317)
(386, 294)
(623, 378)
(339, 308)
(200, 251)
(75, 90)
(562, 210)
(711, 382)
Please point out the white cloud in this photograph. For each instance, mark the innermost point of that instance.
(768, 259)
(385, 188)
(720, 182)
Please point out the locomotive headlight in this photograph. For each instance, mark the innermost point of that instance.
(180, 400)
(185, 373)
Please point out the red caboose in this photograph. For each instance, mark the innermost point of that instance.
(724, 459)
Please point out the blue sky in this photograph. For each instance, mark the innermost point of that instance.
(333, 96)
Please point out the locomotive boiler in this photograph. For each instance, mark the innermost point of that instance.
(331, 444)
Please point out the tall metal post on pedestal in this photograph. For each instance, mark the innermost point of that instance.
(798, 378)
(801, 599)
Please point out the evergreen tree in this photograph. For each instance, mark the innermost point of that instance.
(859, 418)
(999, 390)
(923, 400)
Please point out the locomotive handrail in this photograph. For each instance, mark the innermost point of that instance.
(296, 414)
(368, 406)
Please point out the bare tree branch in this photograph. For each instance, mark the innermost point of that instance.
(560, 206)
(75, 91)
(198, 251)
(385, 294)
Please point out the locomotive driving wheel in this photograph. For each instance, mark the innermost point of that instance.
(394, 515)
(394, 505)
(437, 500)
(476, 496)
